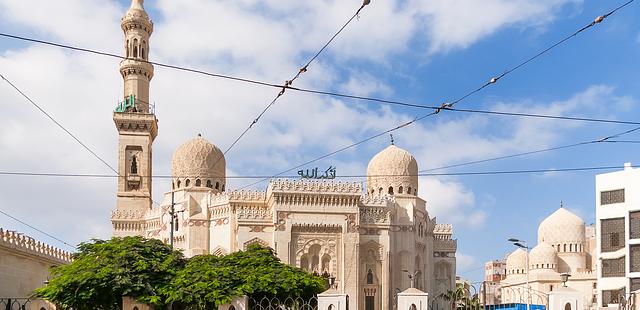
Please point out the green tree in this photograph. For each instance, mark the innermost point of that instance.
(456, 296)
(208, 281)
(104, 271)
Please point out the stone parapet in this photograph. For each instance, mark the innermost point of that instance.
(377, 201)
(28, 245)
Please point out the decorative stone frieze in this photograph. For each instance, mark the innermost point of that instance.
(377, 201)
(284, 185)
(127, 214)
(20, 242)
(445, 245)
(375, 215)
(253, 212)
(316, 228)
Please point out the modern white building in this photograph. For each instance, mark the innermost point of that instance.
(618, 235)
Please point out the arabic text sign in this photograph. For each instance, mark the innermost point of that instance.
(330, 173)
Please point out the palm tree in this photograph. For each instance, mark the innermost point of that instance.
(455, 296)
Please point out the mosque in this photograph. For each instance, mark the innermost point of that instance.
(368, 238)
(566, 249)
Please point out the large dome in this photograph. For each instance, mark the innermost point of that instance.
(543, 256)
(199, 163)
(562, 227)
(392, 171)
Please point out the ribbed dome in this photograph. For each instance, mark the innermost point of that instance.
(199, 163)
(543, 256)
(561, 227)
(517, 260)
(393, 168)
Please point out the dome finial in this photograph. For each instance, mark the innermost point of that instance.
(199, 135)
(561, 204)
(137, 4)
(392, 141)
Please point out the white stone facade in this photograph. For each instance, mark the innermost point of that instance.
(565, 245)
(618, 236)
(365, 238)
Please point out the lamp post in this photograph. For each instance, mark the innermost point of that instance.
(412, 276)
(564, 277)
(523, 245)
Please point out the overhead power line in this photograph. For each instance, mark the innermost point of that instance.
(446, 105)
(38, 230)
(600, 140)
(287, 84)
(352, 176)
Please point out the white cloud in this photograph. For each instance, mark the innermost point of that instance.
(464, 263)
(451, 202)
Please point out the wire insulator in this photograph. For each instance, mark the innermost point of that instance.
(599, 19)
(493, 80)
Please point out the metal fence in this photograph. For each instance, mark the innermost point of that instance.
(9, 303)
(289, 303)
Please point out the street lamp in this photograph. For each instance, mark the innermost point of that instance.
(412, 276)
(523, 245)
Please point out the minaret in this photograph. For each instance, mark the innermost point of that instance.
(136, 123)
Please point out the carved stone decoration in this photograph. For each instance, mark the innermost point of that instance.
(370, 231)
(282, 221)
(316, 228)
(219, 251)
(352, 226)
(257, 228)
(255, 241)
(373, 215)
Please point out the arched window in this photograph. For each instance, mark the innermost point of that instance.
(370, 277)
(331, 307)
(567, 306)
(187, 182)
(209, 185)
(134, 308)
(135, 47)
(217, 185)
(134, 165)
(126, 47)
(409, 190)
(570, 247)
(232, 307)
(400, 190)
(143, 54)
(178, 185)
(223, 187)
(380, 191)
(565, 247)
(413, 307)
(198, 182)
(390, 190)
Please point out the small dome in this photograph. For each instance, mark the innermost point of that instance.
(137, 15)
(543, 256)
(392, 171)
(199, 163)
(562, 227)
(517, 260)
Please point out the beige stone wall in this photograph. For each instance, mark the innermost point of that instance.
(25, 263)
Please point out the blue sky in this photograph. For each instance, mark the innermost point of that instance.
(416, 51)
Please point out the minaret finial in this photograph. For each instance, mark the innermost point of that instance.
(561, 204)
(392, 141)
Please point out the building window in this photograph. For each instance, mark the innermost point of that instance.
(634, 225)
(198, 182)
(613, 267)
(178, 184)
(400, 190)
(209, 185)
(609, 197)
(186, 183)
(634, 258)
(369, 303)
(635, 284)
(134, 165)
(390, 190)
(551, 288)
(612, 296)
(370, 277)
(611, 232)
(567, 306)
(409, 190)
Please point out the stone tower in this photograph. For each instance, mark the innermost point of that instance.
(136, 123)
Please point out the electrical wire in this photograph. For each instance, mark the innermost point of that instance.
(601, 140)
(38, 230)
(420, 174)
(495, 79)
(287, 84)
